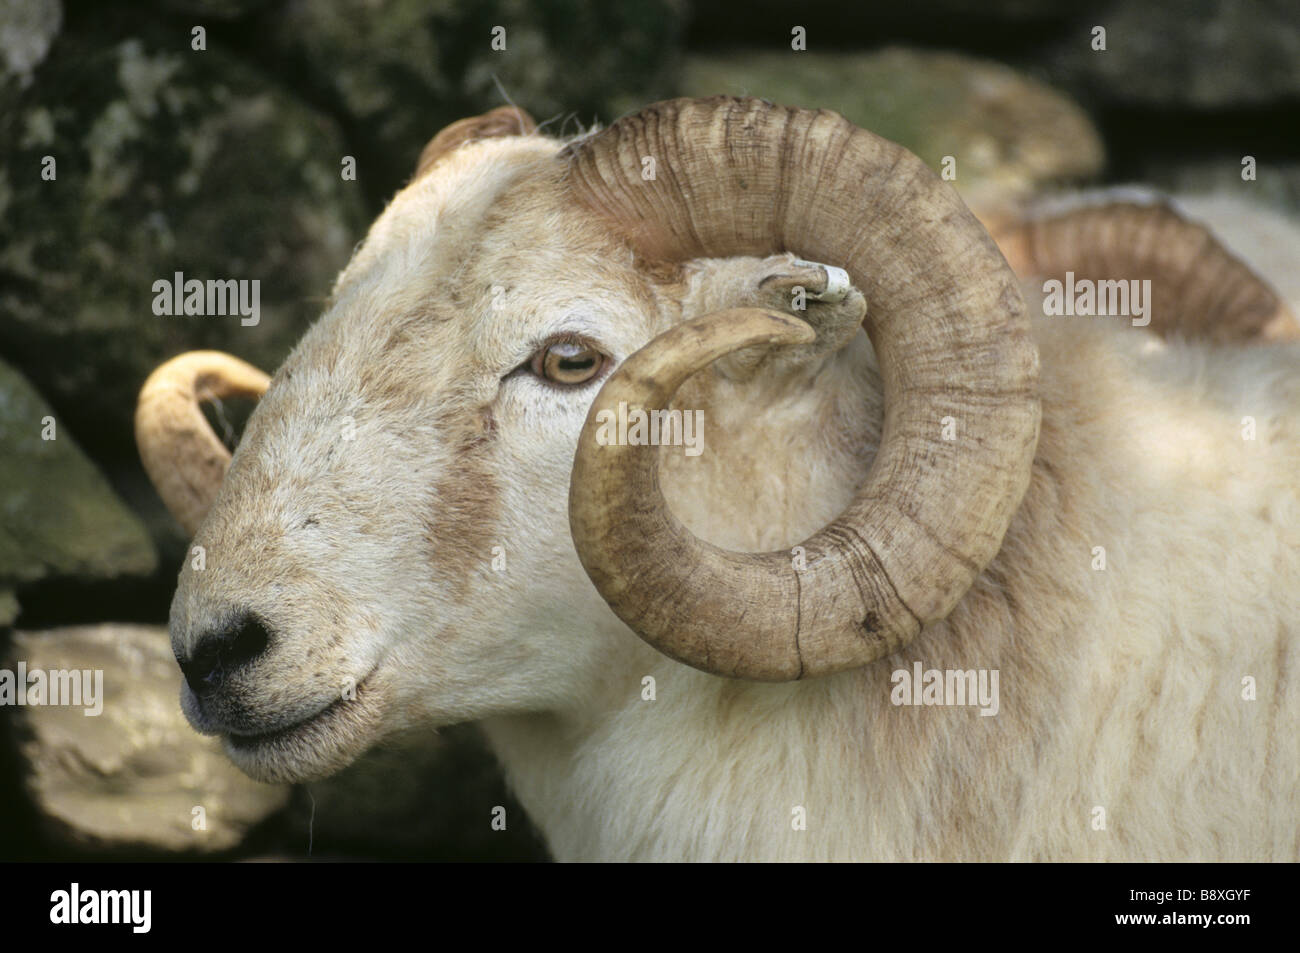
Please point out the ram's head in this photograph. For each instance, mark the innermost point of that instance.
(402, 534)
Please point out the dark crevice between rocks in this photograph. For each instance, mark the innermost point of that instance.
(1139, 139)
(833, 25)
(20, 822)
(367, 810)
(51, 603)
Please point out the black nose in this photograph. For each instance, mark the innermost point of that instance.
(222, 652)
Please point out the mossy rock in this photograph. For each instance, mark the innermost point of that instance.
(167, 160)
(1197, 54)
(58, 516)
(1009, 135)
(399, 76)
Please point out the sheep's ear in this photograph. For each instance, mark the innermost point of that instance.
(502, 121)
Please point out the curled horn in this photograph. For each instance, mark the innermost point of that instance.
(1198, 288)
(949, 326)
(183, 457)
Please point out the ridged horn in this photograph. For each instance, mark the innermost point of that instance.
(1199, 289)
(949, 326)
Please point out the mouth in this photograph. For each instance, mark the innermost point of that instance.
(313, 747)
(289, 732)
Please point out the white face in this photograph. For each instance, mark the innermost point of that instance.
(395, 518)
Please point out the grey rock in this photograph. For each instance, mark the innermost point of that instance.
(1010, 135)
(1203, 54)
(58, 517)
(133, 775)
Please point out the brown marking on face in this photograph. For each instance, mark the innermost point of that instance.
(461, 523)
(408, 329)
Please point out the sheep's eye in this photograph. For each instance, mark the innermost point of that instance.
(567, 362)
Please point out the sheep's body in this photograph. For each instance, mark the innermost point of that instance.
(1121, 689)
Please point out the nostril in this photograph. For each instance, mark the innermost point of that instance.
(223, 651)
(201, 666)
(248, 642)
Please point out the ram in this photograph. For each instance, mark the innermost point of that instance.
(905, 486)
